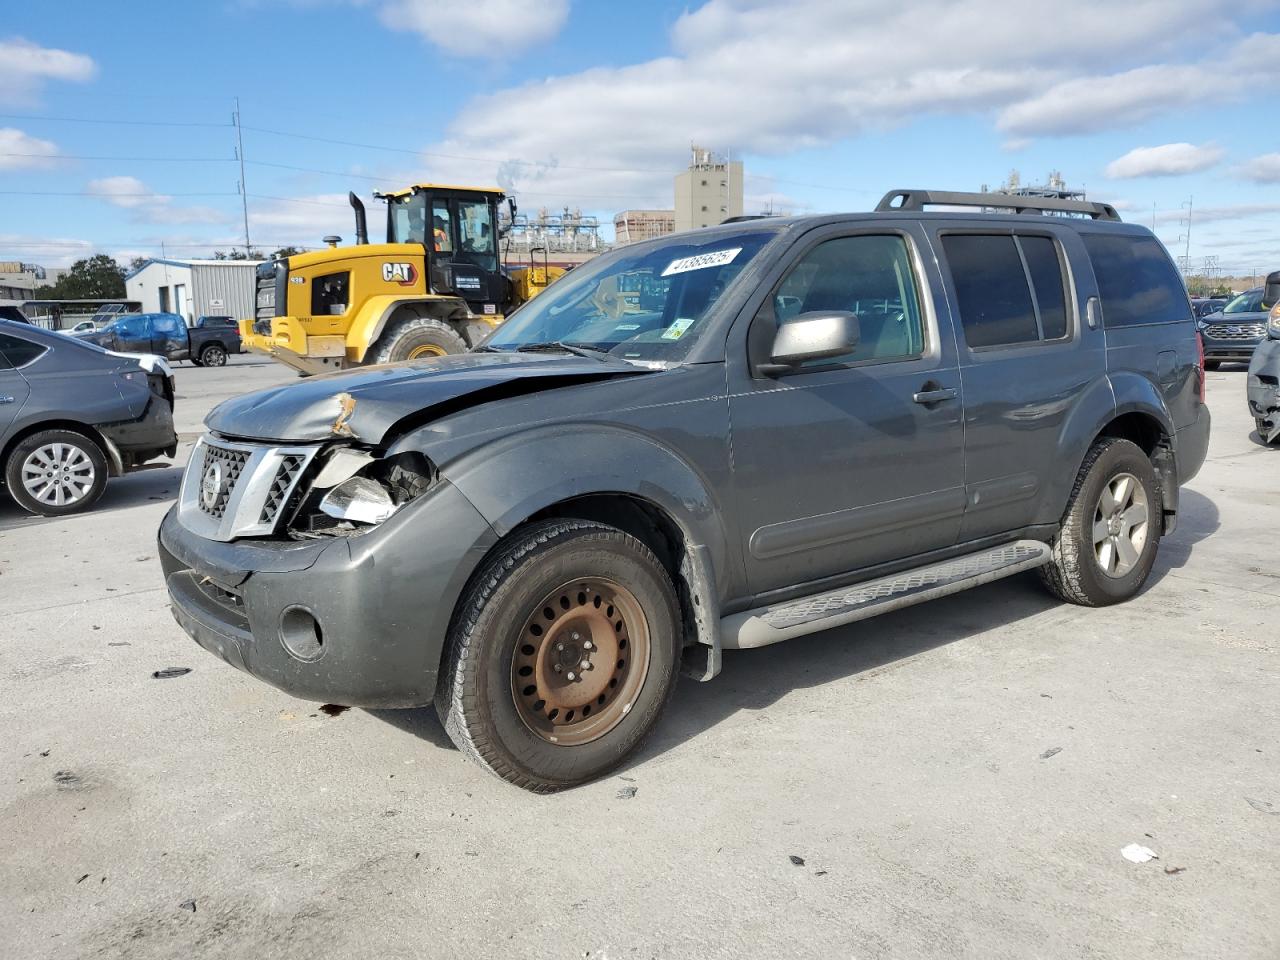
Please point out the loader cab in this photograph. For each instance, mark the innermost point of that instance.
(458, 226)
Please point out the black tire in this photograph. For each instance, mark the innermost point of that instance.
(213, 355)
(87, 448)
(415, 335)
(196, 363)
(475, 698)
(1074, 573)
(1261, 426)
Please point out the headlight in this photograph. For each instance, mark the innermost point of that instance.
(355, 491)
(359, 500)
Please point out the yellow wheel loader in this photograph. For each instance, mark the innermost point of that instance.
(437, 285)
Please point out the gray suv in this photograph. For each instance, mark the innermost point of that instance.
(786, 425)
(72, 415)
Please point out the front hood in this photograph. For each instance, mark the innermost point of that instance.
(365, 404)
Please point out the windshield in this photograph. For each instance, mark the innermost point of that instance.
(643, 305)
(1248, 302)
(407, 219)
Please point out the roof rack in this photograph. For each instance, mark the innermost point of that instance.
(919, 199)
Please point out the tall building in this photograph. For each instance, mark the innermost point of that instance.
(709, 192)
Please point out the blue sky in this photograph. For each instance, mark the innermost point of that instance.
(594, 104)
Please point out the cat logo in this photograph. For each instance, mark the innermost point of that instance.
(405, 274)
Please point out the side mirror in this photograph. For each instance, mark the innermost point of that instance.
(811, 336)
(1271, 293)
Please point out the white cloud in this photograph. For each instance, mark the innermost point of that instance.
(1235, 211)
(1261, 169)
(130, 193)
(769, 77)
(25, 67)
(1166, 160)
(304, 220)
(484, 28)
(1091, 103)
(19, 151)
(46, 251)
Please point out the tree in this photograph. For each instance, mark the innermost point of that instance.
(238, 255)
(96, 278)
(137, 263)
(286, 252)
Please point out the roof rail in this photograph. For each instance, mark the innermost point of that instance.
(919, 199)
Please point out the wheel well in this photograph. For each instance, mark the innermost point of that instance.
(653, 527)
(1139, 428)
(71, 425)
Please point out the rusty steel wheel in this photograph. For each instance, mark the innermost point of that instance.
(582, 658)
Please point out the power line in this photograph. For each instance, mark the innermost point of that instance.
(80, 156)
(101, 120)
(107, 196)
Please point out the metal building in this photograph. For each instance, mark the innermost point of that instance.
(709, 192)
(194, 288)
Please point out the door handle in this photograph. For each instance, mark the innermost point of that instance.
(6, 399)
(934, 394)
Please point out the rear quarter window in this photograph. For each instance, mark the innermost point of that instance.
(17, 352)
(1137, 281)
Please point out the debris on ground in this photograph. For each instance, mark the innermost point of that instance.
(1262, 806)
(1052, 751)
(626, 793)
(1172, 870)
(1137, 853)
(66, 777)
(187, 905)
(796, 861)
(44, 753)
(83, 879)
(819, 873)
(334, 709)
(170, 672)
(118, 643)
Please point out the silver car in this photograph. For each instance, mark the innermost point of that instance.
(72, 415)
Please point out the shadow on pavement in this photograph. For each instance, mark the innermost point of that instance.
(757, 679)
(154, 482)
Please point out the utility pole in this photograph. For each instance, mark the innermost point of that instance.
(244, 195)
(1189, 203)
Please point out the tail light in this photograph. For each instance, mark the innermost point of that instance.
(1200, 364)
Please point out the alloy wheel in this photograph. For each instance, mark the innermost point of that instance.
(58, 474)
(1120, 524)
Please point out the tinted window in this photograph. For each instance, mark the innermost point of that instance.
(135, 326)
(1136, 280)
(169, 324)
(867, 276)
(18, 352)
(1048, 284)
(991, 290)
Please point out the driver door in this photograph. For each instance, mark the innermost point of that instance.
(845, 463)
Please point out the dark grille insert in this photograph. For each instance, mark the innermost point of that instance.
(1235, 331)
(290, 466)
(232, 463)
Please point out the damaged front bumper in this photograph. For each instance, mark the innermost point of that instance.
(1263, 390)
(360, 621)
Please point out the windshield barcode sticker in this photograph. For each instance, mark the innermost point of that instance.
(703, 260)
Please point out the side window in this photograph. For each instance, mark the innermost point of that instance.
(441, 233)
(870, 276)
(169, 324)
(991, 289)
(1009, 290)
(136, 326)
(1136, 280)
(16, 352)
(329, 294)
(1048, 284)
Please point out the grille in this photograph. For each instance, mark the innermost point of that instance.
(232, 463)
(290, 467)
(266, 300)
(1235, 331)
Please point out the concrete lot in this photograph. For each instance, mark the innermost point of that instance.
(908, 761)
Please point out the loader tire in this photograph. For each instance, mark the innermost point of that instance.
(414, 337)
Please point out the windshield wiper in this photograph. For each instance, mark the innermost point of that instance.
(581, 349)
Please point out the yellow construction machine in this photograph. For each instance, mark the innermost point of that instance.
(437, 286)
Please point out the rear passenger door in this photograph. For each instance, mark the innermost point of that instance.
(14, 390)
(1025, 359)
(169, 336)
(853, 461)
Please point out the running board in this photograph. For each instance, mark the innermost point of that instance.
(782, 621)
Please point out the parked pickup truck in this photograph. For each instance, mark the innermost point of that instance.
(207, 344)
(803, 423)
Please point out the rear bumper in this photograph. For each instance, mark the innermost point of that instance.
(382, 601)
(1192, 446)
(148, 436)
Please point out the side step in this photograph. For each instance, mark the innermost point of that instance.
(766, 625)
